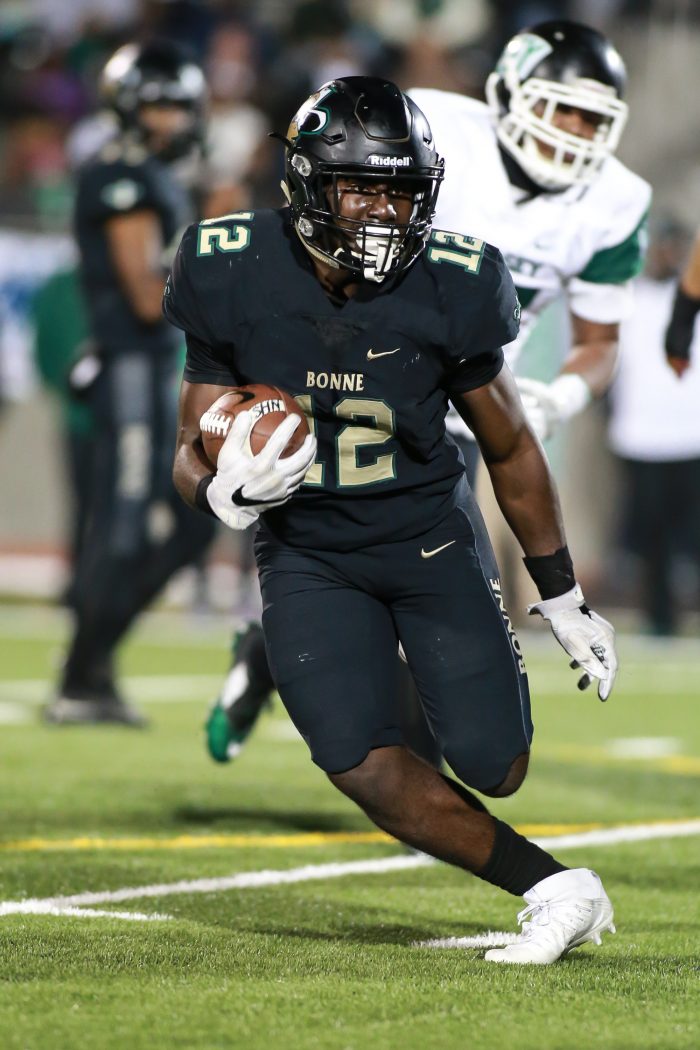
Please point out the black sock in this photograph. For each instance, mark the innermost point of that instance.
(515, 863)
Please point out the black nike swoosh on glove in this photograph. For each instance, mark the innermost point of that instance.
(242, 501)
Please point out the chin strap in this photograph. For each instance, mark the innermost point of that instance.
(377, 253)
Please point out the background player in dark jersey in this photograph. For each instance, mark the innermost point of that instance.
(129, 208)
(347, 301)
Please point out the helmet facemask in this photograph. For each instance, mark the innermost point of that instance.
(373, 250)
(528, 125)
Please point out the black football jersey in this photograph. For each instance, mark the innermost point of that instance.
(117, 181)
(373, 374)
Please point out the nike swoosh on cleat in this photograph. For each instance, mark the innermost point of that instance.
(431, 554)
(371, 356)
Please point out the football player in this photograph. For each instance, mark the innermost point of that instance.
(534, 173)
(128, 209)
(369, 534)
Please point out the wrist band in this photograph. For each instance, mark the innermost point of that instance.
(572, 393)
(679, 334)
(200, 497)
(553, 574)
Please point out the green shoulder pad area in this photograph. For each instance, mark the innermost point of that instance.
(620, 262)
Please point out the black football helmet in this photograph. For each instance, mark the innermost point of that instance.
(550, 65)
(156, 73)
(360, 127)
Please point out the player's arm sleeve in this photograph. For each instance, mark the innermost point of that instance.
(603, 291)
(204, 365)
(185, 306)
(476, 352)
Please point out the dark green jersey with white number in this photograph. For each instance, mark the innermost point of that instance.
(373, 374)
(121, 180)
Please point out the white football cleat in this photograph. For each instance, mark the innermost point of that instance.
(563, 911)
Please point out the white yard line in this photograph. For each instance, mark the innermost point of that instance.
(182, 688)
(242, 881)
(644, 747)
(48, 907)
(312, 872)
(149, 688)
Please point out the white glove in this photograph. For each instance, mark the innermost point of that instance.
(549, 404)
(585, 636)
(246, 485)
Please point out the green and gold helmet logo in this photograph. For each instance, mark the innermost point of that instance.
(311, 118)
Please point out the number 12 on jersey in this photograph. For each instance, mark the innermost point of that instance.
(458, 249)
(368, 423)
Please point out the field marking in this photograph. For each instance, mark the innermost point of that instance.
(575, 754)
(15, 714)
(295, 841)
(333, 870)
(150, 688)
(228, 841)
(178, 842)
(644, 747)
(490, 939)
(47, 907)
(241, 881)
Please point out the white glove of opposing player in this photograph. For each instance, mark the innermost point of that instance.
(585, 636)
(246, 485)
(549, 404)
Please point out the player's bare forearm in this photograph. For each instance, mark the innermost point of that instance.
(593, 355)
(135, 246)
(522, 481)
(526, 493)
(191, 464)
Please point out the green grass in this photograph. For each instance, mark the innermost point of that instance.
(330, 964)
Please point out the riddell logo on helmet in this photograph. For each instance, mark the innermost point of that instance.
(389, 162)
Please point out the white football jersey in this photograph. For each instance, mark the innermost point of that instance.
(585, 242)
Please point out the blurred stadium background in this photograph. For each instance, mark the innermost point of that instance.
(262, 58)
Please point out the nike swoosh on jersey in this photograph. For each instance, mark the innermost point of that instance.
(371, 356)
(431, 554)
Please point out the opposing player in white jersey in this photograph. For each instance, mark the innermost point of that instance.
(534, 172)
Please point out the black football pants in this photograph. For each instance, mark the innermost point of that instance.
(139, 532)
(332, 622)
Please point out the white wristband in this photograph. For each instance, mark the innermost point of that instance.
(572, 394)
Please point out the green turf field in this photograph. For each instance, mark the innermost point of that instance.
(325, 962)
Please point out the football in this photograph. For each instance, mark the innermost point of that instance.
(269, 406)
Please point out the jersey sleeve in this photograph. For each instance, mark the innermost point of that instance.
(185, 306)
(204, 365)
(484, 317)
(603, 291)
(111, 189)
